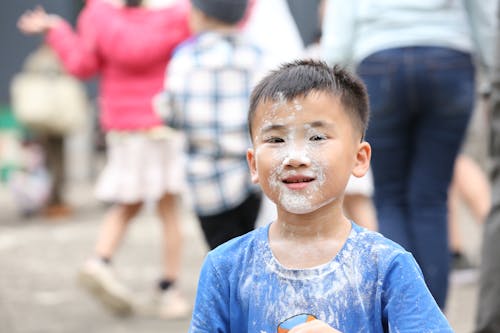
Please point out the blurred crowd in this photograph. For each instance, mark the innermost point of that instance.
(175, 78)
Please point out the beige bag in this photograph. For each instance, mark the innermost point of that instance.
(46, 99)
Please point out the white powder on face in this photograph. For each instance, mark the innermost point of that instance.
(297, 202)
(300, 150)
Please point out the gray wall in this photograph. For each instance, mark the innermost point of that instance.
(16, 46)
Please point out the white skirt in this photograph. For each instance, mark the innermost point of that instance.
(142, 166)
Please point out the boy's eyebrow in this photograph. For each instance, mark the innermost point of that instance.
(279, 127)
(320, 123)
(272, 127)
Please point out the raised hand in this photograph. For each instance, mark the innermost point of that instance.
(36, 21)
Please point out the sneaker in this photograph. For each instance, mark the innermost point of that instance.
(98, 278)
(171, 304)
(57, 211)
(461, 262)
(463, 271)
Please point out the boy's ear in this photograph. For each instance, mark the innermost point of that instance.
(362, 159)
(252, 165)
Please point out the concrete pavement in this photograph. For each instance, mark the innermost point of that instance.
(39, 259)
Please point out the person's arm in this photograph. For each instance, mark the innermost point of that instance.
(211, 309)
(407, 304)
(76, 50)
(483, 22)
(338, 32)
(170, 102)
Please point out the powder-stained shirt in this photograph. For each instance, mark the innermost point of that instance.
(208, 85)
(372, 285)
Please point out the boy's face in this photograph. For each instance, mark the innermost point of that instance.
(305, 151)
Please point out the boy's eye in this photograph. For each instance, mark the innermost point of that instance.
(317, 137)
(274, 140)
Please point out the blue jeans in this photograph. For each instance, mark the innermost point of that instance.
(421, 100)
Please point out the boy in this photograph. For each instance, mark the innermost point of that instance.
(208, 86)
(312, 266)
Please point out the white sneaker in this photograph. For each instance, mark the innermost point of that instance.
(171, 304)
(98, 278)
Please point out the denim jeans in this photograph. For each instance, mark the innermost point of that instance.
(421, 99)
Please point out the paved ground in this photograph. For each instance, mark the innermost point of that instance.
(39, 259)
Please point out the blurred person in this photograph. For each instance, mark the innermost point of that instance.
(488, 309)
(470, 187)
(207, 89)
(41, 73)
(271, 26)
(416, 60)
(470, 190)
(29, 180)
(358, 203)
(129, 46)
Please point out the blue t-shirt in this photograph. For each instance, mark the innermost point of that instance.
(372, 285)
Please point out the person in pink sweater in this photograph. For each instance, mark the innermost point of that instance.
(128, 46)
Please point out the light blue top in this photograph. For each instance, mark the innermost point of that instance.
(354, 29)
(372, 285)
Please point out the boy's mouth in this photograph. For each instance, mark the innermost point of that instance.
(297, 182)
(298, 179)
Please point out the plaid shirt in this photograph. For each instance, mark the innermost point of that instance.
(208, 85)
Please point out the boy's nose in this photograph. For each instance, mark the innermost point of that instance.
(297, 160)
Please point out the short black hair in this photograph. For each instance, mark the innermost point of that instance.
(133, 3)
(301, 77)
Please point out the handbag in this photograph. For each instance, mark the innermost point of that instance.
(48, 100)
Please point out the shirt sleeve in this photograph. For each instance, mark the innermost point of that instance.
(338, 32)
(76, 49)
(174, 92)
(408, 306)
(483, 22)
(211, 309)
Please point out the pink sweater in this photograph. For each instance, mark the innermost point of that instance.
(129, 48)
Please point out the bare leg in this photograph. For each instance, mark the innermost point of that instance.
(360, 209)
(469, 185)
(454, 235)
(473, 186)
(96, 275)
(169, 213)
(114, 227)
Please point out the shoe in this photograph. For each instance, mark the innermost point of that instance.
(57, 211)
(171, 304)
(461, 262)
(463, 271)
(98, 278)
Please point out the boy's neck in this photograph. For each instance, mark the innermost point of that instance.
(221, 29)
(310, 240)
(309, 226)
